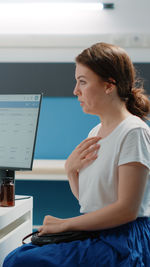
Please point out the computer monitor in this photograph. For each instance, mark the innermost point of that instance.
(19, 116)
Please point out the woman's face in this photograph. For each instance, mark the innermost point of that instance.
(90, 90)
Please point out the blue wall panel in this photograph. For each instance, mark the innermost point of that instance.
(49, 198)
(62, 126)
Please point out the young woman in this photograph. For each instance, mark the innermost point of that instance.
(108, 172)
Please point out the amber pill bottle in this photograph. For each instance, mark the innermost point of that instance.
(7, 192)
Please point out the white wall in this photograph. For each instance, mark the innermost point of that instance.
(42, 32)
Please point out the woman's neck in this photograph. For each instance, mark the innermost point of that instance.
(110, 120)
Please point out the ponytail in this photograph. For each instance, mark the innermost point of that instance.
(138, 103)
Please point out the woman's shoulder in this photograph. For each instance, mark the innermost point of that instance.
(136, 133)
(134, 122)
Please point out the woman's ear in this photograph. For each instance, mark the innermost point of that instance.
(110, 87)
(108, 91)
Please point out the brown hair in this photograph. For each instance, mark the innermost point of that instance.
(112, 63)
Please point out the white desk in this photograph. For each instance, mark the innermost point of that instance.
(15, 223)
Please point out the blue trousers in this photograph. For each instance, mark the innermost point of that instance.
(124, 246)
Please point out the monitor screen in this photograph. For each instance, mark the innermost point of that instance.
(19, 116)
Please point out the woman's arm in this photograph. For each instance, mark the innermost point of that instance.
(132, 179)
(131, 184)
(82, 156)
(73, 179)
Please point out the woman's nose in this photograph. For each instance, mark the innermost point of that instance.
(76, 90)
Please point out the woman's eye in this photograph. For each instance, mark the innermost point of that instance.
(82, 82)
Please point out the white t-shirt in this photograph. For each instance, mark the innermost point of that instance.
(128, 142)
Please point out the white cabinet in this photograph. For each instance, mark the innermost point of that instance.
(15, 223)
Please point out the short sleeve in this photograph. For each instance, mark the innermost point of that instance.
(136, 147)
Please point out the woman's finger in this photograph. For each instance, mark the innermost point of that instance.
(88, 143)
(40, 229)
(88, 160)
(89, 151)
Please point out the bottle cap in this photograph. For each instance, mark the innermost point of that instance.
(7, 179)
